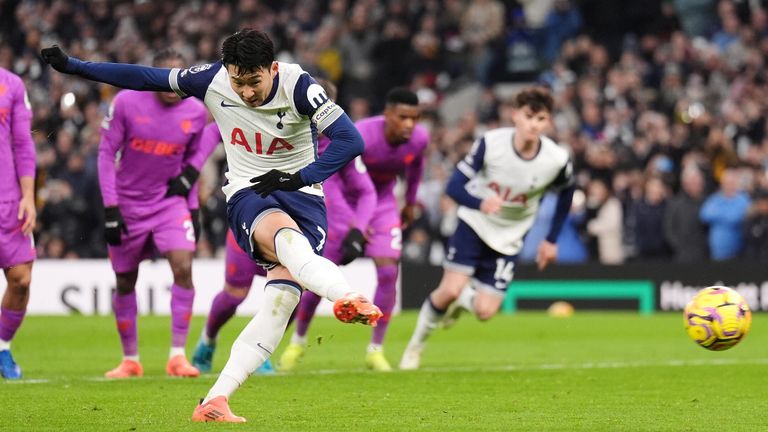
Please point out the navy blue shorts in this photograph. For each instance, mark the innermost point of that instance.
(308, 211)
(468, 254)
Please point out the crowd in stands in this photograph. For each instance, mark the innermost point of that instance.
(662, 103)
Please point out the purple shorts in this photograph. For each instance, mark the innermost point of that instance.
(385, 236)
(15, 247)
(332, 249)
(240, 268)
(168, 229)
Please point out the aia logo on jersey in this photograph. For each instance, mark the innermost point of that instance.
(277, 144)
(505, 194)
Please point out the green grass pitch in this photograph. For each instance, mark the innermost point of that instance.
(529, 372)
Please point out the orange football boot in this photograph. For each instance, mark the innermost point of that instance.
(126, 369)
(354, 308)
(179, 366)
(216, 410)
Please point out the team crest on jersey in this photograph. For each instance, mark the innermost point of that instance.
(196, 69)
(280, 115)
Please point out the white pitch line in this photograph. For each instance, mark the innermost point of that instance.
(452, 369)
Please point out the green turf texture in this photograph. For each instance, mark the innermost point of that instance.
(594, 371)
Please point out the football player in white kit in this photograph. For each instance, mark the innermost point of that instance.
(498, 187)
(269, 114)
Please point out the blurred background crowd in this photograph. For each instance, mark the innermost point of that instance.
(662, 103)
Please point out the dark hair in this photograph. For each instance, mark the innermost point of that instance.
(165, 55)
(248, 50)
(536, 98)
(401, 95)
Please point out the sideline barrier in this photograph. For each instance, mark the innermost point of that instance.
(62, 287)
(641, 290)
(622, 287)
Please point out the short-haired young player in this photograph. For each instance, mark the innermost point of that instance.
(268, 113)
(17, 211)
(498, 187)
(350, 199)
(394, 146)
(148, 140)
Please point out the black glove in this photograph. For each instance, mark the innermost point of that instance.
(183, 183)
(276, 180)
(195, 213)
(113, 225)
(55, 57)
(353, 246)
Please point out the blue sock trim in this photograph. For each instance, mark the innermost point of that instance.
(286, 282)
(435, 308)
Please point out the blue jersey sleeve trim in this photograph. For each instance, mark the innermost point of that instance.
(195, 80)
(127, 76)
(308, 95)
(458, 192)
(562, 208)
(346, 144)
(473, 161)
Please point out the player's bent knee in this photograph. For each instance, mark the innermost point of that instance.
(485, 314)
(19, 283)
(487, 307)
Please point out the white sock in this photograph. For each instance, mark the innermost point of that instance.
(205, 338)
(466, 298)
(428, 320)
(176, 351)
(312, 271)
(258, 339)
(5, 345)
(132, 358)
(299, 340)
(374, 348)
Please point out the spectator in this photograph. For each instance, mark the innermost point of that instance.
(685, 233)
(725, 211)
(604, 226)
(649, 221)
(756, 232)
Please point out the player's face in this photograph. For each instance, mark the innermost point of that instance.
(170, 98)
(252, 86)
(530, 125)
(400, 119)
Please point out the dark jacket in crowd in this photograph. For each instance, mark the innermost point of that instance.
(685, 233)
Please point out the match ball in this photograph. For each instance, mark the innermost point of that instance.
(717, 318)
(560, 309)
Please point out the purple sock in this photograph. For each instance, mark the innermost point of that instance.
(181, 313)
(10, 320)
(307, 306)
(125, 318)
(385, 299)
(223, 307)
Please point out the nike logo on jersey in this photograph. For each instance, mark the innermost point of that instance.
(284, 179)
(264, 348)
(226, 105)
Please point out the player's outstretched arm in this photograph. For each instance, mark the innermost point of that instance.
(346, 144)
(134, 77)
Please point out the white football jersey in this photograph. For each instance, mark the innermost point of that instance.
(280, 134)
(494, 167)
